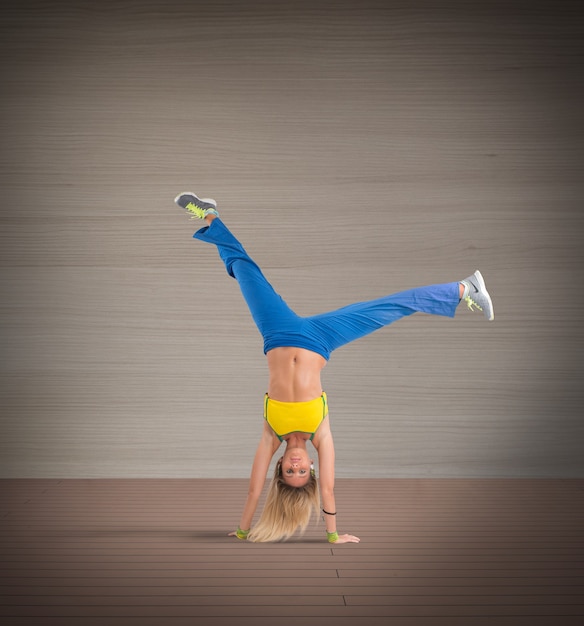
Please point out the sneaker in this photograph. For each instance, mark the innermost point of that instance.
(197, 207)
(476, 294)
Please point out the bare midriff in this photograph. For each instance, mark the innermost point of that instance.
(294, 374)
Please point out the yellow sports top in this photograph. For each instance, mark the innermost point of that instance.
(293, 417)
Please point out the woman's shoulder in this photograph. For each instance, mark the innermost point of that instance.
(270, 437)
(323, 432)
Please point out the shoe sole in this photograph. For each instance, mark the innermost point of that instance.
(483, 287)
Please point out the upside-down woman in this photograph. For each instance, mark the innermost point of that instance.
(295, 406)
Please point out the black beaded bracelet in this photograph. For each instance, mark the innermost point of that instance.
(327, 513)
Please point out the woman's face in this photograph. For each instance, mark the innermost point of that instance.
(296, 467)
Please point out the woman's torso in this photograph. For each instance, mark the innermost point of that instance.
(294, 374)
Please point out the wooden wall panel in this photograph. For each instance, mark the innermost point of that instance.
(357, 148)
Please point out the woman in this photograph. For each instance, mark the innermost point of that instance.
(295, 407)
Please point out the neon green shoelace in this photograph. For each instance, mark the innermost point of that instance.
(195, 210)
(470, 303)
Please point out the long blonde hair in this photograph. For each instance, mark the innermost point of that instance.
(287, 509)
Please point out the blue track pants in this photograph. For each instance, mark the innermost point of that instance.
(323, 333)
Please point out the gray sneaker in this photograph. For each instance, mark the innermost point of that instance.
(476, 294)
(197, 207)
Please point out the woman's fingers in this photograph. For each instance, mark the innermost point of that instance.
(341, 539)
(347, 539)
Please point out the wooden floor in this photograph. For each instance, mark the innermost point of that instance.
(434, 552)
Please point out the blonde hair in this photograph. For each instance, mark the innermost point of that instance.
(287, 509)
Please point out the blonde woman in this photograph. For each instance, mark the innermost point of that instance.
(295, 406)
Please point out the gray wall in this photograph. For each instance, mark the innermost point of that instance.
(357, 148)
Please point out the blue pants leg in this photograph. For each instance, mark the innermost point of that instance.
(323, 333)
(344, 325)
(269, 311)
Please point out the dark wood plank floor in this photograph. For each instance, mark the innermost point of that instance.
(434, 552)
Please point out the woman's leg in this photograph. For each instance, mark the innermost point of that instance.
(337, 328)
(269, 311)
(280, 326)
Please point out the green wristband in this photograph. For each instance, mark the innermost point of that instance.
(241, 534)
(332, 537)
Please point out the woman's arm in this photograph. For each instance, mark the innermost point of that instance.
(267, 446)
(326, 462)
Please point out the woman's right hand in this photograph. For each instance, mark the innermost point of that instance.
(347, 539)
